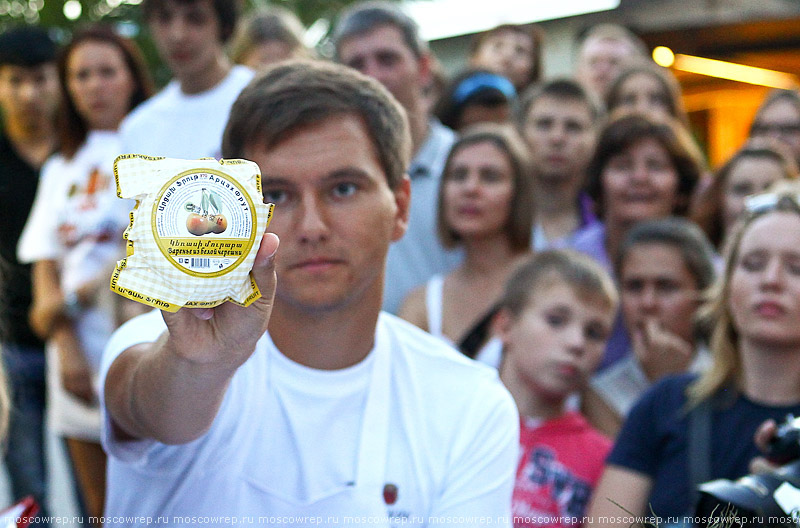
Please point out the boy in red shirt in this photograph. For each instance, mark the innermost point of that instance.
(557, 313)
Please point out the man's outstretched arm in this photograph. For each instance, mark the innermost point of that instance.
(170, 390)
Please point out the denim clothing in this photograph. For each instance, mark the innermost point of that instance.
(25, 456)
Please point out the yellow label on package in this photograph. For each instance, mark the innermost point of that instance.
(194, 231)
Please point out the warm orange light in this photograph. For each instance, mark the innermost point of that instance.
(726, 70)
(663, 56)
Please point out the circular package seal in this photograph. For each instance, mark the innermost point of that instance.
(194, 231)
(204, 222)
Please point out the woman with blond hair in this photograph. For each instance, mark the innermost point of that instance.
(267, 36)
(690, 429)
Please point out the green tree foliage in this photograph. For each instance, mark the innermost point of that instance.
(126, 15)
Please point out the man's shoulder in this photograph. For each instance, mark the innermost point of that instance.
(422, 346)
(425, 357)
(5, 143)
(7, 152)
(665, 397)
(431, 155)
(151, 109)
(239, 77)
(440, 133)
(589, 235)
(674, 385)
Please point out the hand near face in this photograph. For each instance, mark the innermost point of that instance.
(659, 351)
(227, 334)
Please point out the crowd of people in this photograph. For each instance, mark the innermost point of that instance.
(498, 298)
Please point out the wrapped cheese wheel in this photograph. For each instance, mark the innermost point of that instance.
(194, 231)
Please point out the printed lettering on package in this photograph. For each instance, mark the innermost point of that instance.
(194, 231)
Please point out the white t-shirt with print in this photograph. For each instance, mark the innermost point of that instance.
(289, 433)
(77, 221)
(186, 126)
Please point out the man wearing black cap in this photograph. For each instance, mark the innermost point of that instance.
(28, 100)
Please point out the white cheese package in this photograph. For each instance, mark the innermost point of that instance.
(194, 232)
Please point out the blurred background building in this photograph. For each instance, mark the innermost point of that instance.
(759, 33)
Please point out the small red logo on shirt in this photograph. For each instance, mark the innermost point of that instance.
(390, 494)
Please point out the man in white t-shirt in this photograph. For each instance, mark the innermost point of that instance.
(312, 407)
(187, 118)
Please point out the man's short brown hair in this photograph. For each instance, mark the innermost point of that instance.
(299, 93)
(563, 89)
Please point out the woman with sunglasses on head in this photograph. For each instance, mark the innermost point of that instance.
(73, 237)
(688, 422)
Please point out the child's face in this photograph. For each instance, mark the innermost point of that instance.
(557, 341)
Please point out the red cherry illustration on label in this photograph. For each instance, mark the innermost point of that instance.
(219, 223)
(196, 224)
(389, 494)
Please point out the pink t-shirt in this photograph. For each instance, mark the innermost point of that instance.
(559, 465)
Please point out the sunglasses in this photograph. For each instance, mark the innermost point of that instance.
(762, 203)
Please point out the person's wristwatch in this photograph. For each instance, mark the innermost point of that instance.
(72, 305)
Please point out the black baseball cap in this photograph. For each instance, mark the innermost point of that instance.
(26, 46)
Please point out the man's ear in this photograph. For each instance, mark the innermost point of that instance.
(501, 325)
(425, 69)
(402, 198)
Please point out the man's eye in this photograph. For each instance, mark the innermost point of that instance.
(667, 287)
(81, 75)
(342, 190)
(632, 286)
(574, 127)
(275, 196)
(163, 17)
(753, 262)
(388, 59)
(742, 189)
(596, 332)
(197, 19)
(357, 64)
(620, 164)
(457, 174)
(542, 124)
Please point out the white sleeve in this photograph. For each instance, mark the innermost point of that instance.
(39, 239)
(482, 463)
(144, 328)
